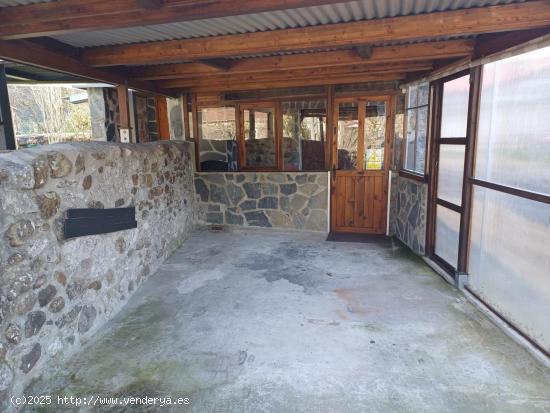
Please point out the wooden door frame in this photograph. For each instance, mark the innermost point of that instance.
(388, 146)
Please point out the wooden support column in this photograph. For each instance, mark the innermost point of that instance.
(196, 137)
(124, 109)
(162, 118)
(7, 138)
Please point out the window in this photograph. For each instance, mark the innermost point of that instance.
(416, 128)
(218, 149)
(304, 135)
(260, 140)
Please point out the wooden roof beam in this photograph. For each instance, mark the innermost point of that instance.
(304, 74)
(30, 53)
(389, 54)
(281, 84)
(502, 18)
(69, 16)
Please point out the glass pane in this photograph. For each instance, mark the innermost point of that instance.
(513, 145)
(217, 139)
(509, 259)
(413, 96)
(423, 93)
(422, 130)
(451, 173)
(348, 125)
(259, 137)
(374, 136)
(447, 227)
(454, 111)
(411, 139)
(304, 135)
(399, 130)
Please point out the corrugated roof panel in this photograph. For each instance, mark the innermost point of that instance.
(308, 16)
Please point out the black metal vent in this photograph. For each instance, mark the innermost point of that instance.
(90, 221)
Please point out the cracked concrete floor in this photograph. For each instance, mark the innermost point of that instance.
(266, 321)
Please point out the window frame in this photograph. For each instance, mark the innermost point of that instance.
(403, 170)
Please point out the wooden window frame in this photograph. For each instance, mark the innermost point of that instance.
(277, 125)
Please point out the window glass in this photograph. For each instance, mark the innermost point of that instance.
(416, 127)
(454, 110)
(348, 129)
(304, 135)
(374, 135)
(259, 137)
(217, 139)
(513, 142)
(399, 129)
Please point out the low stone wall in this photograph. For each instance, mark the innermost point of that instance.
(265, 199)
(56, 292)
(408, 212)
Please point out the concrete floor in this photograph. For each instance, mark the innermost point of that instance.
(265, 321)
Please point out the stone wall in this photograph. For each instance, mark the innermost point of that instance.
(55, 292)
(264, 199)
(408, 212)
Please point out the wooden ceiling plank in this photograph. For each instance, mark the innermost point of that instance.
(67, 16)
(501, 18)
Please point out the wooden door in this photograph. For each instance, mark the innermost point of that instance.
(361, 154)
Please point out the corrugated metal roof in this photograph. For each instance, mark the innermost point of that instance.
(9, 3)
(284, 19)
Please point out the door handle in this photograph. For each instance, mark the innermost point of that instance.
(333, 172)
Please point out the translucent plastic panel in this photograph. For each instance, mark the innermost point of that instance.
(454, 112)
(447, 226)
(304, 135)
(348, 125)
(513, 143)
(375, 134)
(451, 173)
(259, 137)
(510, 259)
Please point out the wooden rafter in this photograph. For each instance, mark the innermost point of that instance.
(502, 18)
(67, 16)
(27, 52)
(304, 74)
(224, 86)
(390, 54)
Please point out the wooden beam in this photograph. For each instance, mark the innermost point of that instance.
(68, 16)
(389, 54)
(510, 17)
(225, 86)
(489, 44)
(339, 71)
(123, 106)
(30, 53)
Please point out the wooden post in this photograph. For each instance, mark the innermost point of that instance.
(124, 111)
(8, 141)
(162, 118)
